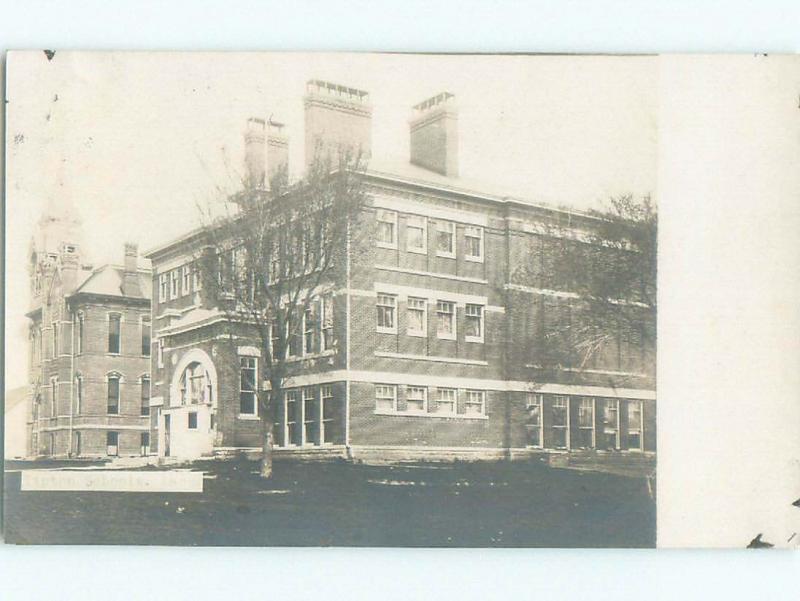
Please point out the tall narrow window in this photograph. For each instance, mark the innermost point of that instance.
(55, 339)
(326, 322)
(247, 386)
(417, 316)
(144, 444)
(534, 421)
(561, 422)
(417, 399)
(53, 396)
(192, 420)
(385, 397)
(173, 284)
(386, 306)
(163, 288)
(416, 234)
(114, 321)
(112, 444)
(112, 404)
(327, 412)
(586, 423)
(473, 323)
(308, 331)
(445, 239)
(387, 229)
(145, 335)
(310, 417)
(475, 403)
(293, 420)
(145, 396)
(77, 447)
(635, 425)
(446, 401)
(197, 277)
(186, 273)
(446, 320)
(473, 237)
(610, 424)
(79, 336)
(78, 394)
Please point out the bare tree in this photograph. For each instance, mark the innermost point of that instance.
(609, 274)
(270, 256)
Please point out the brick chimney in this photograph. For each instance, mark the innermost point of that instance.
(69, 259)
(277, 148)
(434, 134)
(337, 117)
(130, 276)
(255, 152)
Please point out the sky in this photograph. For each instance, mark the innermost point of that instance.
(136, 142)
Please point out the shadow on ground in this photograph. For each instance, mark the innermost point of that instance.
(520, 504)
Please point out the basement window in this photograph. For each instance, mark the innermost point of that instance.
(192, 420)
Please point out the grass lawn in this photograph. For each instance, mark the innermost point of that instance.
(518, 504)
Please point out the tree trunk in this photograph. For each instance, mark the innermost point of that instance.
(266, 453)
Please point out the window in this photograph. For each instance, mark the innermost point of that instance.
(78, 394)
(417, 234)
(474, 323)
(197, 277)
(586, 423)
(473, 237)
(77, 444)
(53, 396)
(475, 403)
(310, 417)
(55, 339)
(445, 320)
(144, 444)
(308, 331)
(192, 425)
(534, 421)
(173, 284)
(145, 396)
(112, 405)
(112, 444)
(293, 430)
(326, 411)
(561, 422)
(387, 304)
(247, 386)
(186, 272)
(326, 322)
(445, 239)
(387, 229)
(274, 338)
(79, 341)
(635, 425)
(195, 385)
(114, 321)
(145, 335)
(610, 424)
(385, 397)
(417, 399)
(162, 288)
(446, 401)
(417, 316)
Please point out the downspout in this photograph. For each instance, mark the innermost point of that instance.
(348, 450)
(71, 383)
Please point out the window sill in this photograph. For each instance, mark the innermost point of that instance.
(474, 339)
(386, 330)
(323, 354)
(430, 415)
(417, 251)
(473, 259)
(417, 334)
(247, 417)
(386, 245)
(443, 255)
(444, 337)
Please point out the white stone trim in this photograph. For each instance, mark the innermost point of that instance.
(431, 295)
(413, 207)
(433, 358)
(98, 427)
(248, 351)
(445, 276)
(431, 415)
(157, 401)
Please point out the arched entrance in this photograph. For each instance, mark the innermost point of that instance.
(188, 425)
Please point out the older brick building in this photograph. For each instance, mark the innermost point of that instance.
(428, 344)
(89, 348)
